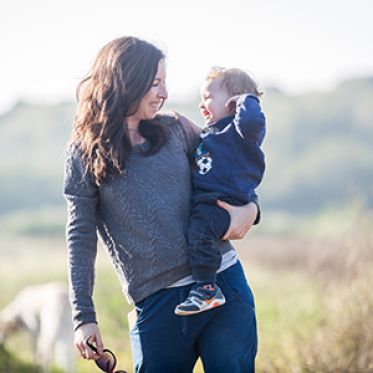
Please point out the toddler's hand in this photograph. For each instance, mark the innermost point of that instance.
(230, 105)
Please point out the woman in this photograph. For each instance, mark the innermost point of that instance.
(128, 176)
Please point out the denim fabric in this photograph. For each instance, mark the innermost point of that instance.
(225, 338)
(207, 225)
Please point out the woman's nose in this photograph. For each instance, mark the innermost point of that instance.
(162, 93)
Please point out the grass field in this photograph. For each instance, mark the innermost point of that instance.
(314, 304)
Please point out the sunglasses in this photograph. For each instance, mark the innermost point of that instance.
(107, 361)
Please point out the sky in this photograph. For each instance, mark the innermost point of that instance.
(47, 46)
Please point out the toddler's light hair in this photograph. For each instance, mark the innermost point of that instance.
(234, 80)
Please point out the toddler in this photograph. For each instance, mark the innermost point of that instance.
(229, 166)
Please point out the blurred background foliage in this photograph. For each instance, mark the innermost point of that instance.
(318, 151)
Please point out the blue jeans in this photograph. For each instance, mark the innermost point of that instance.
(225, 338)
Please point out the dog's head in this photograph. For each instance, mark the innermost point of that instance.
(9, 324)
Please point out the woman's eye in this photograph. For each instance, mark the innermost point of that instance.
(157, 82)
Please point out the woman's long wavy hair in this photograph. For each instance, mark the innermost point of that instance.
(121, 75)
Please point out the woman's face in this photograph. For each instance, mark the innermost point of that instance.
(153, 100)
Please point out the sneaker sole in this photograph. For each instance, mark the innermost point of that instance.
(214, 304)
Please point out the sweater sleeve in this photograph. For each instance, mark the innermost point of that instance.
(249, 120)
(191, 133)
(81, 193)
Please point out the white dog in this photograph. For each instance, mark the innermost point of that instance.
(44, 311)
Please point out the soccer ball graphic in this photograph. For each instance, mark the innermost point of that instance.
(204, 164)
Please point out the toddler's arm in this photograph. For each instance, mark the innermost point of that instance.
(249, 120)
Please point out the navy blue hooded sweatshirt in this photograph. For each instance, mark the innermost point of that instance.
(229, 159)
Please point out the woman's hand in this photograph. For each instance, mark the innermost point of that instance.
(82, 334)
(242, 219)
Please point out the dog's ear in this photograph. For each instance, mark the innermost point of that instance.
(10, 326)
(9, 323)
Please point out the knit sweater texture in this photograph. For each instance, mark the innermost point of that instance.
(141, 218)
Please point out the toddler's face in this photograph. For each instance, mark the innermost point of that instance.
(213, 99)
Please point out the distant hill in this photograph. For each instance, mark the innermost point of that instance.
(32, 143)
(318, 149)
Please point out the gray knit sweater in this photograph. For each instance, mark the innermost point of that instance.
(141, 217)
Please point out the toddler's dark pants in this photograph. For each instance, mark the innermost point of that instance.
(208, 224)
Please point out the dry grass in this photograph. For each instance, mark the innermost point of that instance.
(313, 296)
(339, 339)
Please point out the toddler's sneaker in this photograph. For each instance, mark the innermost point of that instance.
(201, 298)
